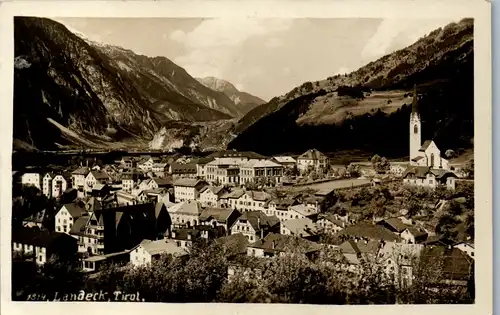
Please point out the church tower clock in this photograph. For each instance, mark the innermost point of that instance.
(415, 127)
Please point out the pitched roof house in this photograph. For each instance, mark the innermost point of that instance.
(255, 225)
(148, 250)
(41, 245)
(277, 244)
(219, 217)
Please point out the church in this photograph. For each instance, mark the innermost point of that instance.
(427, 168)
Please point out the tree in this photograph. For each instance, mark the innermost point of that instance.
(446, 226)
(455, 208)
(380, 164)
(413, 207)
(469, 169)
(353, 170)
(449, 153)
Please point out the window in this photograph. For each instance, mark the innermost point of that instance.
(58, 229)
(432, 159)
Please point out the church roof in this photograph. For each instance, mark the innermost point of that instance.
(418, 171)
(422, 171)
(414, 105)
(417, 158)
(426, 144)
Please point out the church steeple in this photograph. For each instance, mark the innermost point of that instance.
(414, 105)
(415, 126)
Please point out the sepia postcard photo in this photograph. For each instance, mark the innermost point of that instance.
(246, 155)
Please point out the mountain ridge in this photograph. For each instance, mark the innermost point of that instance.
(83, 93)
(370, 105)
(243, 100)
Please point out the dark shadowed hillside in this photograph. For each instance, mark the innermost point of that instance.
(368, 109)
(69, 91)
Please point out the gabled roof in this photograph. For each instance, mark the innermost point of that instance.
(74, 210)
(416, 232)
(188, 182)
(203, 161)
(227, 161)
(301, 227)
(352, 247)
(50, 174)
(99, 175)
(279, 243)
(369, 231)
(219, 214)
(396, 224)
(98, 187)
(214, 189)
(418, 171)
(426, 144)
(159, 207)
(265, 221)
(284, 204)
(190, 207)
(311, 154)
(440, 173)
(258, 195)
(81, 171)
(79, 225)
(93, 204)
(235, 194)
(162, 182)
(417, 158)
(37, 237)
(284, 159)
(304, 210)
(260, 163)
(160, 247)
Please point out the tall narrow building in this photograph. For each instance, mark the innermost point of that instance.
(415, 127)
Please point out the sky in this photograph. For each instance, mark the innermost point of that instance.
(264, 57)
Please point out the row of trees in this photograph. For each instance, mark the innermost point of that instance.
(289, 278)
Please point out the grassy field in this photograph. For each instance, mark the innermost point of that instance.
(331, 109)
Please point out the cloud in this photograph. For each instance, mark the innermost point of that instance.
(393, 34)
(178, 36)
(216, 44)
(273, 42)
